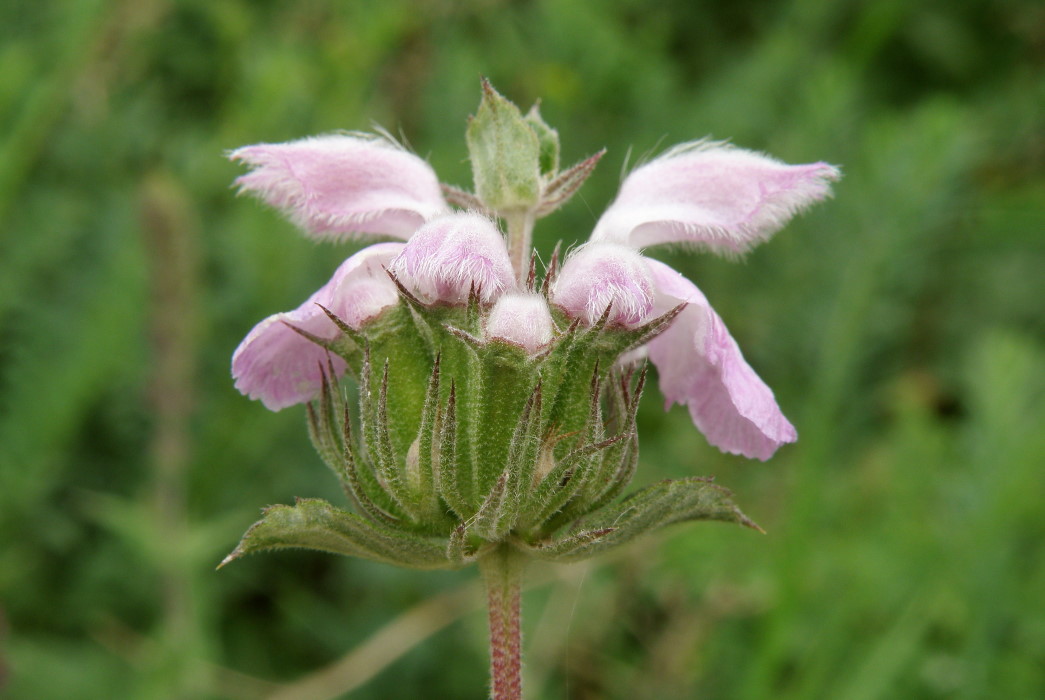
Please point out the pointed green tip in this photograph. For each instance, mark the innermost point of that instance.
(749, 523)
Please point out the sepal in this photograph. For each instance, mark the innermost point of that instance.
(565, 184)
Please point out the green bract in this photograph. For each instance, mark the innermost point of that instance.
(506, 154)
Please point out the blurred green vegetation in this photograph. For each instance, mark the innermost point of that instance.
(901, 325)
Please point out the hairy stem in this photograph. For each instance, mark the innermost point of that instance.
(520, 241)
(502, 572)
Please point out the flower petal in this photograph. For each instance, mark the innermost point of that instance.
(598, 275)
(280, 366)
(714, 195)
(341, 185)
(701, 366)
(450, 254)
(523, 319)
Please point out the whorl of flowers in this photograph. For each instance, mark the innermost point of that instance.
(497, 405)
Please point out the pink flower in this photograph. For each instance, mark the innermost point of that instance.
(334, 187)
(701, 367)
(717, 197)
(601, 275)
(451, 254)
(343, 185)
(278, 365)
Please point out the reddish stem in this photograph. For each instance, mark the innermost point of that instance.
(502, 572)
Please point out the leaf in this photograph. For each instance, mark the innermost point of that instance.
(653, 507)
(315, 524)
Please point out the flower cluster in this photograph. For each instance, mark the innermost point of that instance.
(497, 405)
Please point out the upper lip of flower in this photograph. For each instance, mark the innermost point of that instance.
(343, 185)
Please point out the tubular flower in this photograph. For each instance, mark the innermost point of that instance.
(282, 367)
(713, 196)
(451, 255)
(336, 186)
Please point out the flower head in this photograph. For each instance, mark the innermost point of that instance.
(495, 406)
(714, 196)
(496, 411)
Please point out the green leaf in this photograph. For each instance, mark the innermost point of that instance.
(315, 524)
(505, 154)
(654, 507)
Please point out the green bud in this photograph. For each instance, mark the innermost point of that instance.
(506, 154)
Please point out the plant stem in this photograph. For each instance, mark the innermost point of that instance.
(520, 240)
(502, 572)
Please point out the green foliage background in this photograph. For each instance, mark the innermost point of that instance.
(900, 324)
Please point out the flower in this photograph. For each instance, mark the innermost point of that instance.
(359, 185)
(496, 414)
(713, 196)
(333, 187)
(600, 275)
(281, 367)
(453, 253)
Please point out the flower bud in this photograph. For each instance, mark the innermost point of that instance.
(505, 153)
(522, 319)
(451, 254)
(601, 275)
